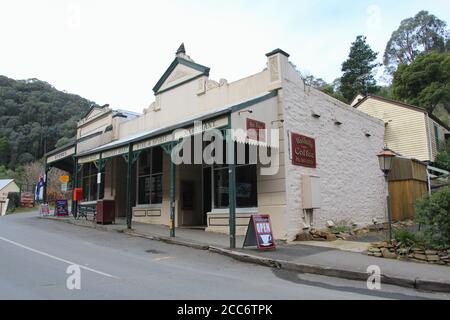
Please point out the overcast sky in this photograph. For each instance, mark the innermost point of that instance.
(115, 51)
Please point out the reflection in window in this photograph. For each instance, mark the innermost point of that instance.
(246, 181)
(150, 176)
(89, 183)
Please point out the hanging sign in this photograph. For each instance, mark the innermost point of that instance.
(259, 233)
(256, 130)
(63, 187)
(303, 151)
(64, 179)
(61, 208)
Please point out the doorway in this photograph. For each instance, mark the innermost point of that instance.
(191, 205)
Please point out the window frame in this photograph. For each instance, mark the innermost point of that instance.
(149, 154)
(218, 167)
(92, 177)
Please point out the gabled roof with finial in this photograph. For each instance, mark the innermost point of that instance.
(181, 49)
(181, 58)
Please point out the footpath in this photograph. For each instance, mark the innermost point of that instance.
(341, 259)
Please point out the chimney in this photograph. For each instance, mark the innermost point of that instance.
(277, 62)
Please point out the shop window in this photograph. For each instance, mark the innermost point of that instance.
(246, 182)
(150, 166)
(89, 183)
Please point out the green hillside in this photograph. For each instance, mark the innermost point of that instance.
(34, 119)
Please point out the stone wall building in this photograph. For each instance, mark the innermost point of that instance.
(323, 154)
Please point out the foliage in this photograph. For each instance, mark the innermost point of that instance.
(407, 238)
(434, 213)
(385, 92)
(334, 90)
(425, 82)
(314, 82)
(340, 229)
(34, 116)
(358, 70)
(14, 201)
(443, 157)
(421, 33)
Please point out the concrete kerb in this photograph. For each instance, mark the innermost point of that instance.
(76, 223)
(168, 240)
(416, 283)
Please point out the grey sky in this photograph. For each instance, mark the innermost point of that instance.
(115, 51)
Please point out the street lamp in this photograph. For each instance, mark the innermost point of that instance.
(385, 160)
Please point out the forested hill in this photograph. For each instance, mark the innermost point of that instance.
(34, 119)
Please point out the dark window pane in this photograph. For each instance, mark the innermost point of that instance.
(86, 168)
(102, 186)
(144, 163)
(93, 188)
(157, 162)
(156, 187)
(94, 169)
(85, 187)
(144, 190)
(221, 188)
(246, 192)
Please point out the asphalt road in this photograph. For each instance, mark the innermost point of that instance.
(35, 255)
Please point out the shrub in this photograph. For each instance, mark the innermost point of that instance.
(407, 238)
(14, 200)
(340, 229)
(433, 212)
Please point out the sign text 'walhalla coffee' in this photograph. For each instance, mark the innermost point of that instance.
(303, 150)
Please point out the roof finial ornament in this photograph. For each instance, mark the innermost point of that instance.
(181, 53)
(181, 50)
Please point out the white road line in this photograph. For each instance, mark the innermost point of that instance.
(56, 258)
(163, 258)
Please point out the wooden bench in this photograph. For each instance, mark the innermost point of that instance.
(87, 209)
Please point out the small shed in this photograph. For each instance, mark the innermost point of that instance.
(407, 183)
(6, 186)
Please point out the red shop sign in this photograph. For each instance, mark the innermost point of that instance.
(256, 130)
(303, 151)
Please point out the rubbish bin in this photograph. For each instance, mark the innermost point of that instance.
(105, 212)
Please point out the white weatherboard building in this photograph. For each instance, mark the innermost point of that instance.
(324, 152)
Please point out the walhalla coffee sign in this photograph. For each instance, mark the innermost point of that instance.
(303, 151)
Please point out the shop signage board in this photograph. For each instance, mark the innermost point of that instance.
(89, 158)
(181, 133)
(61, 208)
(115, 152)
(153, 142)
(64, 179)
(61, 155)
(259, 233)
(303, 150)
(44, 210)
(256, 130)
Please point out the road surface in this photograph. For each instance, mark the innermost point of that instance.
(35, 255)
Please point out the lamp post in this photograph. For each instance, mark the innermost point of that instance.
(385, 160)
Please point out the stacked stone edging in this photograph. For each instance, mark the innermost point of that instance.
(392, 251)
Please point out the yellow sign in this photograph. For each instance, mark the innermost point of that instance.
(64, 179)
